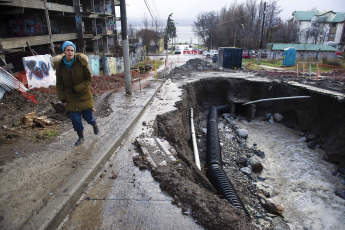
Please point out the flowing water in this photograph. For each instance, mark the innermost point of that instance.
(298, 178)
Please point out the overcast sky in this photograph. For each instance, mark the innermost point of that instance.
(185, 11)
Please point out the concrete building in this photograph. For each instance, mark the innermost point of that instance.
(315, 27)
(41, 26)
(303, 51)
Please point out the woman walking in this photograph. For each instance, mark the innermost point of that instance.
(73, 79)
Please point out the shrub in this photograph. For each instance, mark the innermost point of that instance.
(334, 61)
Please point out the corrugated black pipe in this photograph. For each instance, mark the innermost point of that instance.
(215, 172)
(224, 187)
(213, 144)
(223, 109)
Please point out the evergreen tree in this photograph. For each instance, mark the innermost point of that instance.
(170, 31)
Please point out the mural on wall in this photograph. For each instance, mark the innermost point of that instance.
(39, 71)
(107, 7)
(110, 23)
(103, 10)
(94, 64)
(99, 27)
(25, 26)
(109, 66)
(119, 65)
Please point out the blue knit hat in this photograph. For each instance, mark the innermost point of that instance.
(68, 43)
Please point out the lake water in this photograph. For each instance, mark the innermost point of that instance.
(185, 35)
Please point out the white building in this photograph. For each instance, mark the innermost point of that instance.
(315, 27)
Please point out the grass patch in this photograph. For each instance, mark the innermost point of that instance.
(325, 65)
(149, 62)
(50, 133)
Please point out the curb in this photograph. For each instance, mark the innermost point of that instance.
(52, 215)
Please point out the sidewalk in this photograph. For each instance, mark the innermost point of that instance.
(37, 192)
(114, 129)
(124, 197)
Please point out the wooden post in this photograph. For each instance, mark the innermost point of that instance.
(49, 27)
(79, 26)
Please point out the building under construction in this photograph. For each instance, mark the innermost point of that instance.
(30, 27)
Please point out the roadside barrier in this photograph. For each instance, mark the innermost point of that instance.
(304, 69)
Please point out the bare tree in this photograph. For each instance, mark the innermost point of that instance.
(205, 28)
(315, 30)
(241, 24)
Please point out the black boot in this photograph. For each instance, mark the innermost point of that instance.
(95, 128)
(80, 139)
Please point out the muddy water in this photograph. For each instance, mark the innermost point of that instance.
(297, 177)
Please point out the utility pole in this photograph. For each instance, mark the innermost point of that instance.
(125, 48)
(262, 32)
(166, 51)
(235, 36)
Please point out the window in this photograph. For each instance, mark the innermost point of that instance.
(334, 24)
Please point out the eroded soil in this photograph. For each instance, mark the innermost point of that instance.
(188, 186)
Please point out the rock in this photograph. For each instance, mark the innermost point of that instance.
(250, 161)
(278, 117)
(312, 144)
(241, 160)
(271, 120)
(311, 136)
(303, 139)
(340, 193)
(243, 133)
(246, 170)
(259, 153)
(268, 116)
(257, 167)
(273, 208)
(279, 224)
(4, 127)
(144, 123)
(265, 193)
(259, 178)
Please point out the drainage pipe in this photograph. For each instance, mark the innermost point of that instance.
(195, 147)
(213, 143)
(275, 99)
(215, 172)
(224, 187)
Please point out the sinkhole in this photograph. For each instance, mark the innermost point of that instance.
(297, 175)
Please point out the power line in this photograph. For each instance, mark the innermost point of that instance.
(149, 9)
(154, 4)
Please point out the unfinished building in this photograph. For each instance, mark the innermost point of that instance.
(30, 27)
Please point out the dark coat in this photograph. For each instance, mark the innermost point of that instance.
(73, 86)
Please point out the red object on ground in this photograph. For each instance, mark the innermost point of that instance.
(30, 96)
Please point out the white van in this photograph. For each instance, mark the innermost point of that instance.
(210, 53)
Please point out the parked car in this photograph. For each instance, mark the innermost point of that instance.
(249, 54)
(210, 53)
(215, 58)
(339, 53)
(263, 55)
(177, 51)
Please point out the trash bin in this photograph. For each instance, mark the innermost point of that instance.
(230, 57)
(289, 58)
